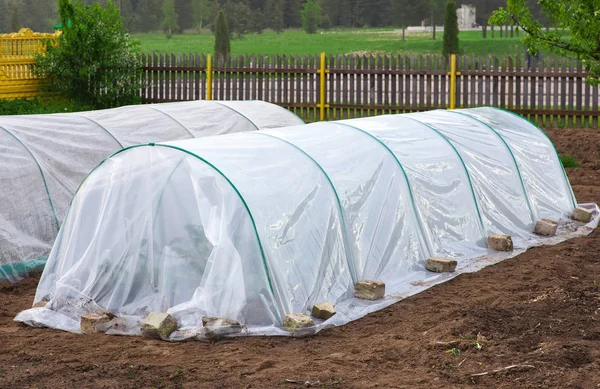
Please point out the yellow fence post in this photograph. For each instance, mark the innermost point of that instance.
(322, 71)
(453, 73)
(209, 77)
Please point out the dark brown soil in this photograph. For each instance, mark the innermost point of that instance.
(529, 322)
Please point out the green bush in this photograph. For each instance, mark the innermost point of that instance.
(94, 62)
(568, 161)
(39, 106)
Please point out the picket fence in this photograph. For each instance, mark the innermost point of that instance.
(551, 92)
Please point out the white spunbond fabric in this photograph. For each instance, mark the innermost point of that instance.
(46, 157)
(255, 226)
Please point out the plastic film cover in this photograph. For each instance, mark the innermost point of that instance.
(66, 147)
(373, 192)
(495, 178)
(548, 191)
(440, 185)
(254, 226)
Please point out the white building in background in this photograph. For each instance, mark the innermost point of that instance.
(466, 16)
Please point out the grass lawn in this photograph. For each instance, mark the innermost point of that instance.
(363, 41)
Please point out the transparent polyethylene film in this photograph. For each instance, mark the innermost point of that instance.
(194, 249)
(61, 149)
(439, 183)
(295, 211)
(254, 226)
(496, 180)
(373, 193)
(548, 189)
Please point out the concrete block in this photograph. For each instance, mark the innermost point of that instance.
(95, 322)
(440, 265)
(299, 324)
(158, 325)
(582, 214)
(323, 310)
(369, 290)
(546, 227)
(500, 242)
(216, 327)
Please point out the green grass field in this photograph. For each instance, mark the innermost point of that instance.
(363, 41)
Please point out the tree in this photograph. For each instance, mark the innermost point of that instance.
(451, 30)
(434, 8)
(15, 18)
(274, 15)
(94, 62)
(150, 14)
(169, 23)
(404, 13)
(575, 34)
(291, 13)
(222, 39)
(201, 10)
(311, 16)
(239, 18)
(185, 13)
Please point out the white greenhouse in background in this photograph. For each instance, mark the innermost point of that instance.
(46, 157)
(255, 226)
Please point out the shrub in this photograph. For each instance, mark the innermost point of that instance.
(94, 62)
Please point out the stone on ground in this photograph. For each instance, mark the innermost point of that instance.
(159, 325)
(369, 290)
(40, 304)
(323, 310)
(440, 265)
(500, 242)
(299, 324)
(546, 227)
(583, 215)
(95, 322)
(216, 327)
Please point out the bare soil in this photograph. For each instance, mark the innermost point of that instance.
(529, 322)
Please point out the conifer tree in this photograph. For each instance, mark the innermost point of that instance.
(451, 30)
(222, 38)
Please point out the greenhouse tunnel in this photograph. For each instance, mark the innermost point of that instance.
(254, 226)
(46, 157)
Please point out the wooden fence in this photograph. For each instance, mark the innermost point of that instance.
(17, 55)
(551, 92)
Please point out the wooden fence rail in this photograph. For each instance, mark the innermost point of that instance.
(551, 92)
